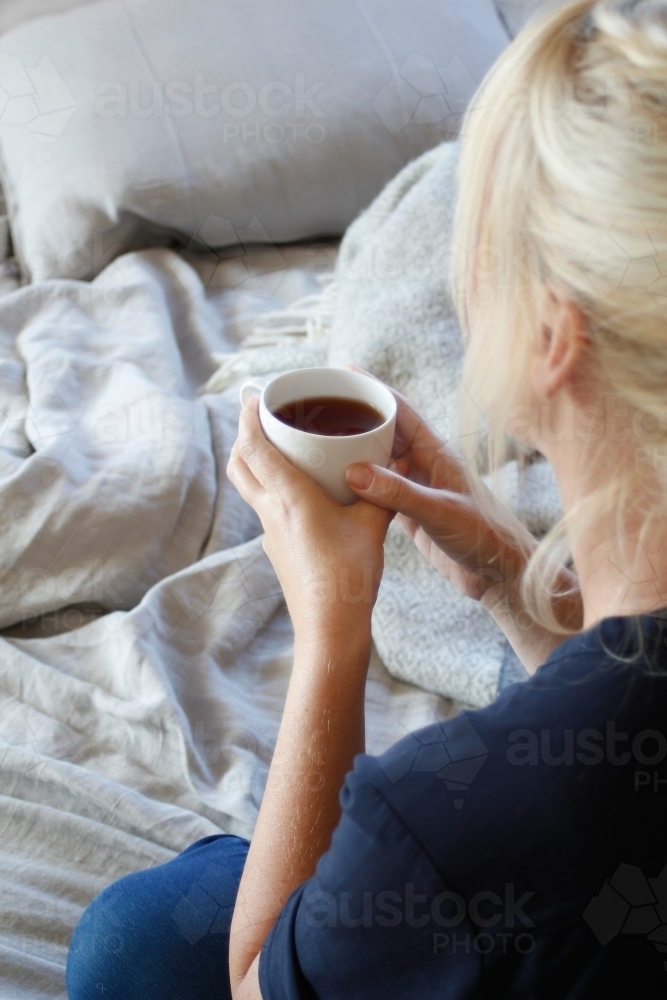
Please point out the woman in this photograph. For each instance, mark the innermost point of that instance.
(542, 870)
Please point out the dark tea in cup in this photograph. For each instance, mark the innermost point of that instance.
(331, 416)
(323, 420)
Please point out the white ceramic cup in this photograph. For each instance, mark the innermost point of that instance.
(325, 458)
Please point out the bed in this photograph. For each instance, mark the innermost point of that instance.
(144, 644)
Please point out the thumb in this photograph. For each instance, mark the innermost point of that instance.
(387, 489)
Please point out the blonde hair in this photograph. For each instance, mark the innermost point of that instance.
(563, 185)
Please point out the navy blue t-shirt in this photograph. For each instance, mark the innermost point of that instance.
(518, 851)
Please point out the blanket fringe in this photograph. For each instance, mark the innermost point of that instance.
(293, 337)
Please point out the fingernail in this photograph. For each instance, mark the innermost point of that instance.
(359, 476)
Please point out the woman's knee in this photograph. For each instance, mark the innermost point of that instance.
(100, 954)
(163, 932)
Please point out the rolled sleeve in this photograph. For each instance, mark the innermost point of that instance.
(372, 921)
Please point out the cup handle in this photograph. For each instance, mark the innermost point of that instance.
(251, 386)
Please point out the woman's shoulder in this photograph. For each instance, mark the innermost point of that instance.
(500, 833)
(637, 641)
(569, 766)
(617, 670)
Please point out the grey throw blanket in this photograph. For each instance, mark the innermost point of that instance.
(394, 316)
(389, 310)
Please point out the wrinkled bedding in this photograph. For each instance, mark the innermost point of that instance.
(145, 649)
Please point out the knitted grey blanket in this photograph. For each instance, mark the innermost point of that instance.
(389, 310)
(394, 316)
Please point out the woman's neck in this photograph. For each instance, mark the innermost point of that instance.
(618, 574)
(618, 579)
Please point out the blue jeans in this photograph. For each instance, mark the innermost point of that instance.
(161, 934)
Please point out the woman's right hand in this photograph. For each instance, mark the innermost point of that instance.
(426, 484)
(484, 558)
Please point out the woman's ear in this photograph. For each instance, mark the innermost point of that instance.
(562, 346)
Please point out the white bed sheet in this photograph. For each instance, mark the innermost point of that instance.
(126, 736)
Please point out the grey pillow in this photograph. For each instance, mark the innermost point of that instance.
(127, 123)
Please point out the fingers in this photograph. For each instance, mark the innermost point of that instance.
(407, 418)
(262, 459)
(259, 471)
(406, 523)
(373, 516)
(410, 425)
(362, 371)
(430, 459)
(400, 466)
(253, 459)
(412, 430)
(385, 488)
(243, 479)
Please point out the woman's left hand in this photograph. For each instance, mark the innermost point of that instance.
(328, 558)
